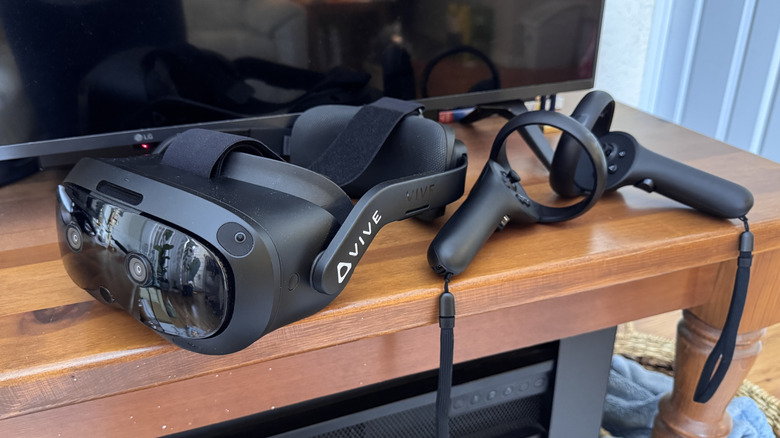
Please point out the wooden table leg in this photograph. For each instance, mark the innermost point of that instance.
(678, 415)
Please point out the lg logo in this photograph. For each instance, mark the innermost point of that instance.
(140, 138)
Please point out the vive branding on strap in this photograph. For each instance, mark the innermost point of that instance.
(343, 268)
(420, 193)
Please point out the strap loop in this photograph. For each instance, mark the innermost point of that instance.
(446, 353)
(202, 152)
(723, 352)
(350, 153)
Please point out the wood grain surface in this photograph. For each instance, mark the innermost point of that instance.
(69, 363)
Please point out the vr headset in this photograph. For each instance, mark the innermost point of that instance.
(215, 240)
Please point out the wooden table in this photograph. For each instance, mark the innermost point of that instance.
(69, 364)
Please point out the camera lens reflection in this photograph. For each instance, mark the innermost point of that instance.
(165, 278)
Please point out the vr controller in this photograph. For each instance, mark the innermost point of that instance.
(498, 198)
(586, 162)
(629, 163)
(217, 241)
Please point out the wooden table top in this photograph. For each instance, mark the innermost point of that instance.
(59, 346)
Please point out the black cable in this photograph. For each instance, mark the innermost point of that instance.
(723, 352)
(446, 351)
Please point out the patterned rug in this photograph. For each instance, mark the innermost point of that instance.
(657, 354)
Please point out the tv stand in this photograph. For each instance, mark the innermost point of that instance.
(71, 364)
(555, 390)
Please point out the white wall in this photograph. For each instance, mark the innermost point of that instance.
(712, 66)
(623, 48)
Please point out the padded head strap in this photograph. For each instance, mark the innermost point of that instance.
(202, 152)
(355, 147)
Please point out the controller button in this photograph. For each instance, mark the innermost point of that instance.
(523, 200)
(608, 149)
(513, 176)
(502, 223)
(622, 154)
(646, 184)
(292, 283)
(612, 168)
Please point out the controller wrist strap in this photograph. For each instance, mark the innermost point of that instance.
(446, 352)
(723, 352)
(721, 355)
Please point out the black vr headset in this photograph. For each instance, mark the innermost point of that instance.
(216, 240)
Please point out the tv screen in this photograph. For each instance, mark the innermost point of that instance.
(83, 75)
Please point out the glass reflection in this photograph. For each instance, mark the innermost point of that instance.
(186, 293)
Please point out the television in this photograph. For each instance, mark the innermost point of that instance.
(83, 77)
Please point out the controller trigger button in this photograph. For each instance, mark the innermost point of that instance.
(646, 184)
(612, 168)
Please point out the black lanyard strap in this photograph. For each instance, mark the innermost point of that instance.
(446, 353)
(723, 352)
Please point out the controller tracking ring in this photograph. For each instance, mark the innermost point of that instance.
(578, 133)
(594, 112)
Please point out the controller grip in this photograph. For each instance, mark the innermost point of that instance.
(483, 211)
(701, 190)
